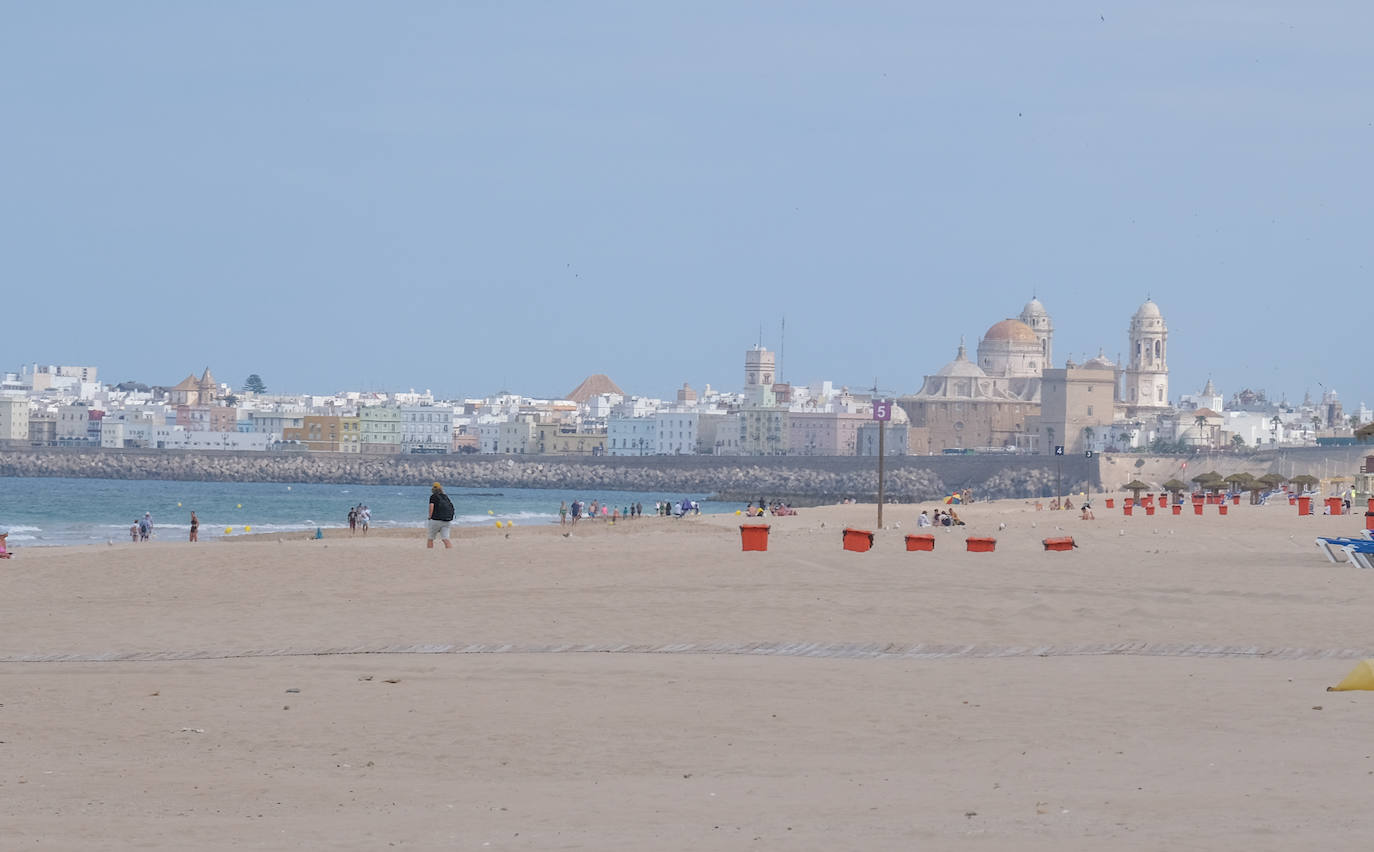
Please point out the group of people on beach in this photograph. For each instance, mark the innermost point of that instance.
(142, 528)
(774, 507)
(359, 518)
(582, 509)
(940, 519)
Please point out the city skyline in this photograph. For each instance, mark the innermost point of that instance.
(471, 200)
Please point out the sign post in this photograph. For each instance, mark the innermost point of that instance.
(1059, 475)
(882, 412)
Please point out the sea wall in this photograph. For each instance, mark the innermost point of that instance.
(802, 479)
(1321, 462)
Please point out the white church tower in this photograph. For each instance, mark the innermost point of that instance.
(1035, 316)
(1147, 377)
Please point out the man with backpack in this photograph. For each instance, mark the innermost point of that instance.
(440, 517)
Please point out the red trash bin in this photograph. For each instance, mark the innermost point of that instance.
(1178, 509)
(1221, 509)
(858, 541)
(1304, 505)
(753, 536)
(920, 542)
(1126, 508)
(1149, 508)
(1061, 543)
(981, 545)
(1111, 503)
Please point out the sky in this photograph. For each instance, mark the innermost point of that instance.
(484, 196)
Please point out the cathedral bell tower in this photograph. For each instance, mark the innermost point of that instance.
(1147, 377)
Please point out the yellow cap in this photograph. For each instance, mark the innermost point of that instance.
(435, 487)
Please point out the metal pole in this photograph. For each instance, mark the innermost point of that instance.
(1058, 480)
(881, 455)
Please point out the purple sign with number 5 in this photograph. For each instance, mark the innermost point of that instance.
(882, 409)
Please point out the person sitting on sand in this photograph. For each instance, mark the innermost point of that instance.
(923, 520)
(1087, 513)
(954, 519)
(1068, 504)
(4, 545)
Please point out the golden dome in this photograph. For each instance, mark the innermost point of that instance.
(1013, 331)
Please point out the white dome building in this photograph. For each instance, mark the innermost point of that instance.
(1038, 319)
(1011, 349)
(1147, 377)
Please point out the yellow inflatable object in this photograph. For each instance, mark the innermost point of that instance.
(737, 513)
(247, 529)
(498, 525)
(178, 505)
(490, 512)
(228, 530)
(239, 506)
(1361, 677)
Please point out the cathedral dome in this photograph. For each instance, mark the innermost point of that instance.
(1101, 362)
(1034, 308)
(962, 367)
(1149, 310)
(1012, 331)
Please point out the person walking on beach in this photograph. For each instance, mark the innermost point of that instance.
(563, 513)
(145, 527)
(352, 520)
(576, 511)
(195, 527)
(364, 517)
(133, 531)
(440, 516)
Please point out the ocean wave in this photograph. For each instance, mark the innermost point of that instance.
(18, 528)
(472, 520)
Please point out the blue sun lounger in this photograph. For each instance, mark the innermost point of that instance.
(1357, 550)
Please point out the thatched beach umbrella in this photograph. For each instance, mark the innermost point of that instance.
(1273, 480)
(1175, 486)
(1304, 480)
(1237, 481)
(1209, 481)
(1135, 486)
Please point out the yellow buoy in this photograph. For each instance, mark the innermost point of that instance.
(239, 506)
(737, 513)
(228, 530)
(247, 529)
(178, 505)
(490, 512)
(498, 525)
(1360, 677)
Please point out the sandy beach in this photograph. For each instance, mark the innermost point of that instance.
(650, 686)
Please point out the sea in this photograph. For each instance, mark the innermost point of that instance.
(46, 512)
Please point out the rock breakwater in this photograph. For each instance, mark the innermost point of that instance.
(803, 479)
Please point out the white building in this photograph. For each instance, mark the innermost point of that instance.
(631, 435)
(426, 428)
(676, 433)
(514, 437)
(1147, 377)
(14, 418)
(488, 435)
(73, 424)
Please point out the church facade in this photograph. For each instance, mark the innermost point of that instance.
(1014, 398)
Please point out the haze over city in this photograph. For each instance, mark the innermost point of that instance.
(467, 199)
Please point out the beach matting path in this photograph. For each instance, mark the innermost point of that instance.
(650, 686)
